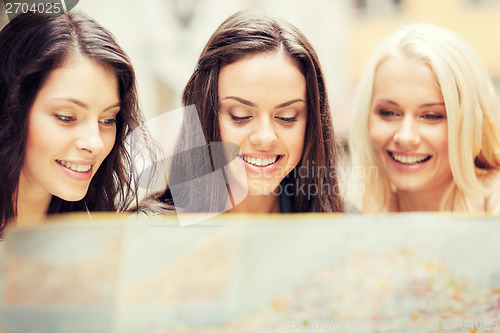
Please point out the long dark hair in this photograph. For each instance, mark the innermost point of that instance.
(243, 34)
(31, 46)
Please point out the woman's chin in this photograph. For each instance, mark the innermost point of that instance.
(259, 187)
(71, 195)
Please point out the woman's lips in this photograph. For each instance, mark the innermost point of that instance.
(261, 164)
(77, 170)
(409, 162)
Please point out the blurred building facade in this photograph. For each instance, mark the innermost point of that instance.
(165, 37)
(478, 21)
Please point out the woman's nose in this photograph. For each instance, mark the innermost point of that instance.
(263, 134)
(89, 138)
(408, 133)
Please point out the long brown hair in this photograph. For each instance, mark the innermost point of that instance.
(243, 34)
(31, 46)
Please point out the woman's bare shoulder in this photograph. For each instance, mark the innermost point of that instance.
(491, 181)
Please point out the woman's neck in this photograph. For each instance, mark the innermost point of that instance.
(32, 204)
(258, 204)
(418, 201)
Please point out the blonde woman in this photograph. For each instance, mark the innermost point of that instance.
(427, 115)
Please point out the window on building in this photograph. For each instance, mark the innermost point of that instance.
(378, 7)
(481, 2)
(496, 83)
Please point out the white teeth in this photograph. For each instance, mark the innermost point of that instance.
(409, 159)
(75, 167)
(259, 161)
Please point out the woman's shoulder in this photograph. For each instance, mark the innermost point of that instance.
(491, 181)
(351, 209)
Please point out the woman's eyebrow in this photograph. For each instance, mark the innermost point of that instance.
(426, 105)
(386, 100)
(293, 101)
(74, 101)
(116, 105)
(279, 106)
(84, 105)
(241, 100)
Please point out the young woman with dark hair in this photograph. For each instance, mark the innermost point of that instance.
(68, 101)
(257, 84)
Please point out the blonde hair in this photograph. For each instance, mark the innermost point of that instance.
(472, 112)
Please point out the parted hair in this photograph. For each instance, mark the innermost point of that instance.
(244, 34)
(472, 106)
(31, 46)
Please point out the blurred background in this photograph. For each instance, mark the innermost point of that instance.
(165, 37)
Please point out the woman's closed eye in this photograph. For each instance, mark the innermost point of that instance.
(240, 119)
(287, 120)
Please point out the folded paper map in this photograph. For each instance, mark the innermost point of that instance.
(420, 272)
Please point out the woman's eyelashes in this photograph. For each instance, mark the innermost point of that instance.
(385, 113)
(108, 122)
(287, 120)
(428, 116)
(65, 118)
(240, 119)
(433, 116)
(68, 120)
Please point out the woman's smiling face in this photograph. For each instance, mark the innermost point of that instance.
(408, 126)
(263, 109)
(71, 129)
